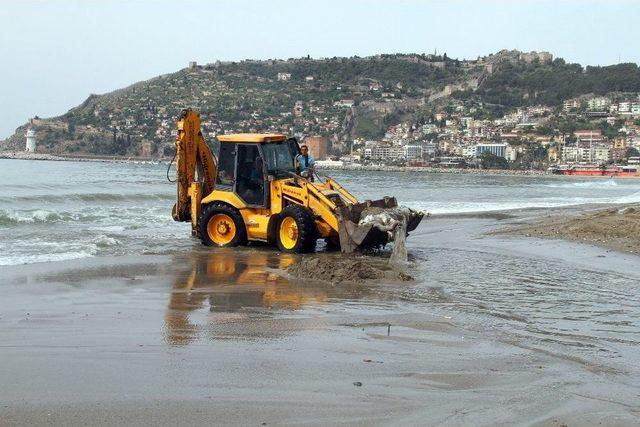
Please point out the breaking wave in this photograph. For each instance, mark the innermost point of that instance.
(90, 197)
(631, 198)
(44, 257)
(129, 218)
(105, 241)
(601, 183)
(439, 208)
(7, 218)
(43, 216)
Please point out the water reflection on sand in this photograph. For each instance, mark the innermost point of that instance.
(226, 285)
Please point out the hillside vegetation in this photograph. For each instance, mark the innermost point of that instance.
(340, 98)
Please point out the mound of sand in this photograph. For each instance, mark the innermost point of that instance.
(336, 269)
(615, 228)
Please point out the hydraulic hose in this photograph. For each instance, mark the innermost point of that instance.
(169, 167)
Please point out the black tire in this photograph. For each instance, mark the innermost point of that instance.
(213, 209)
(306, 230)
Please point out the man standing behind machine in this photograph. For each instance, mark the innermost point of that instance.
(305, 163)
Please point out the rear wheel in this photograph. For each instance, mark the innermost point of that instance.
(296, 231)
(222, 225)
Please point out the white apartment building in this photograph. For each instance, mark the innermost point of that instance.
(429, 149)
(629, 108)
(598, 104)
(570, 104)
(385, 153)
(497, 149)
(412, 152)
(596, 154)
(469, 151)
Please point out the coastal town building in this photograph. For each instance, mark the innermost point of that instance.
(586, 153)
(429, 149)
(413, 152)
(384, 152)
(599, 104)
(469, 151)
(570, 104)
(347, 103)
(318, 146)
(499, 150)
(589, 136)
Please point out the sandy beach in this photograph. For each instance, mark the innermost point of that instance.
(228, 337)
(616, 228)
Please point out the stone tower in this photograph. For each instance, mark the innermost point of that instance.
(31, 141)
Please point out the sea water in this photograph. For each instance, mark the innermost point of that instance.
(53, 211)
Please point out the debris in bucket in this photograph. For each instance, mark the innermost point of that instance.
(385, 219)
(371, 224)
(393, 221)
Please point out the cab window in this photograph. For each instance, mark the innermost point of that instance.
(226, 165)
(279, 158)
(250, 174)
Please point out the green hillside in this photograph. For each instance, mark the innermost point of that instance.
(341, 98)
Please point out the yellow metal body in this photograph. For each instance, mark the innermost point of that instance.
(196, 174)
(195, 169)
(252, 137)
(288, 232)
(312, 195)
(222, 229)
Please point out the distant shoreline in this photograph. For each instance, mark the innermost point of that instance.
(425, 169)
(12, 155)
(348, 167)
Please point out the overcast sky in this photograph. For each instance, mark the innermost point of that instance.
(57, 52)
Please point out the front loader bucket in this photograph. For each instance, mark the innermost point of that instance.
(356, 234)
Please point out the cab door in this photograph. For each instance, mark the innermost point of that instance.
(250, 179)
(226, 178)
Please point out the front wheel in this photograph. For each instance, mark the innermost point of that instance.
(296, 231)
(222, 225)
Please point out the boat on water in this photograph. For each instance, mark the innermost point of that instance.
(618, 171)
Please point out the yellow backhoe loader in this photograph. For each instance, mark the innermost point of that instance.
(252, 192)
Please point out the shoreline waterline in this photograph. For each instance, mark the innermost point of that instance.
(347, 167)
(62, 210)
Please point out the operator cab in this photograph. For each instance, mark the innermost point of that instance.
(247, 161)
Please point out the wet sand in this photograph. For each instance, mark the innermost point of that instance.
(344, 268)
(226, 337)
(616, 228)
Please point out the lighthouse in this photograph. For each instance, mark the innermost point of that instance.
(31, 141)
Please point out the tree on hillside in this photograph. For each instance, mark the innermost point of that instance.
(632, 152)
(608, 130)
(491, 161)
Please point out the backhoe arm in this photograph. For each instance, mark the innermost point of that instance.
(195, 169)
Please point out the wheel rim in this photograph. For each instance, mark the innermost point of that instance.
(288, 232)
(221, 229)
